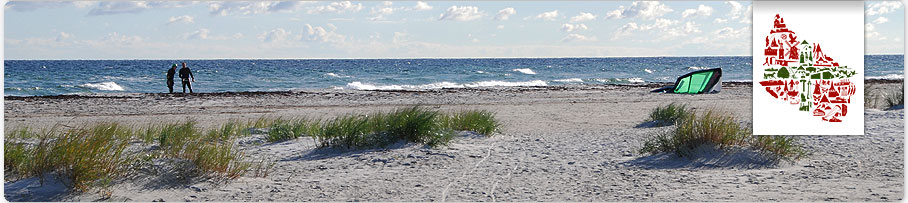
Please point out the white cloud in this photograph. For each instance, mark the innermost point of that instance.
(567, 27)
(549, 16)
(871, 33)
(381, 11)
(685, 29)
(25, 6)
(320, 34)
(249, 8)
(720, 20)
(729, 33)
(461, 13)
(276, 35)
(702, 10)
(583, 16)
(204, 34)
(198, 34)
(660, 23)
(578, 38)
(421, 6)
(120, 7)
(738, 11)
(642, 9)
(180, 19)
(666, 29)
(63, 36)
(337, 7)
(117, 7)
(117, 39)
(880, 20)
(505, 13)
(882, 7)
(625, 30)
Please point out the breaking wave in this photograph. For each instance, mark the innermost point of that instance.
(106, 86)
(336, 75)
(439, 85)
(887, 77)
(525, 71)
(569, 80)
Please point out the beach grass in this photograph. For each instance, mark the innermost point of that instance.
(479, 121)
(895, 97)
(282, 130)
(97, 154)
(718, 128)
(86, 157)
(669, 114)
(416, 124)
(780, 146)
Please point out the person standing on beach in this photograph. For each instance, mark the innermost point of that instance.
(170, 73)
(186, 76)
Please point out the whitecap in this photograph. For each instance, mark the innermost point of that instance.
(635, 80)
(525, 71)
(439, 85)
(107, 86)
(886, 77)
(648, 70)
(495, 83)
(336, 75)
(364, 86)
(480, 72)
(569, 80)
(696, 68)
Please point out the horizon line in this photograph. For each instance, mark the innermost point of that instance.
(401, 58)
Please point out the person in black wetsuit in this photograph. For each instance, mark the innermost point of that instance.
(186, 76)
(170, 74)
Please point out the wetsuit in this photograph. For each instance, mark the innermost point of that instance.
(170, 73)
(185, 75)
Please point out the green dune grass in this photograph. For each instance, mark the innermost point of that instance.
(97, 154)
(718, 128)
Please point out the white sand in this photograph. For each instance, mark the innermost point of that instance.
(569, 143)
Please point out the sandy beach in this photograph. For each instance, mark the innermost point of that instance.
(558, 143)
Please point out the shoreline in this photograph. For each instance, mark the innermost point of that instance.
(326, 90)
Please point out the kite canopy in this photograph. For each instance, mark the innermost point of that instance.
(697, 82)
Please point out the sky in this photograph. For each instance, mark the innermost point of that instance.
(399, 29)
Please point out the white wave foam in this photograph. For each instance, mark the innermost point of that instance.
(620, 80)
(496, 83)
(696, 68)
(480, 72)
(887, 77)
(635, 80)
(569, 80)
(139, 79)
(336, 75)
(440, 85)
(525, 71)
(107, 86)
(648, 70)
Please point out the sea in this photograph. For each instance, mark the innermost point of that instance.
(63, 77)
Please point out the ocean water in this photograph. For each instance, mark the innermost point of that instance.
(56, 77)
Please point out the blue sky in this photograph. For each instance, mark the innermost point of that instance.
(400, 29)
